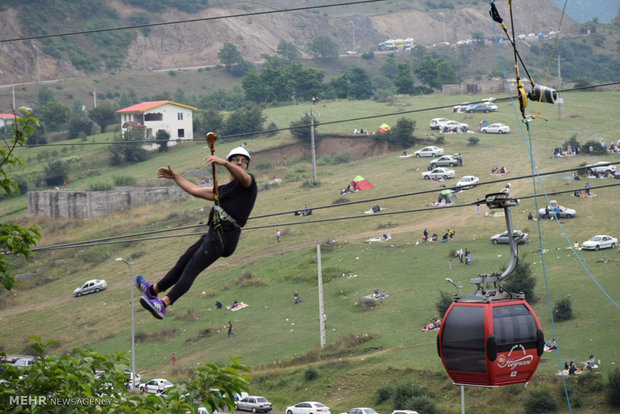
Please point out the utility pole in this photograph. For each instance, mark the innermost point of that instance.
(321, 305)
(94, 99)
(313, 148)
(38, 64)
(560, 100)
(353, 27)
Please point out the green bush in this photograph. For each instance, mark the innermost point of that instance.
(473, 140)
(423, 404)
(311, 373)
(539, 400)
(563, 310)
(124, 180)
(444, 302)
(597, 148)
(403, 393)
(440, 140)
(383, 394)
(613, 388)
(99, 187)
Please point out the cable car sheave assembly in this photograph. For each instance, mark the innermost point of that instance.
(491, 337)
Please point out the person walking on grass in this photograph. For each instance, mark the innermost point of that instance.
(233, 204)
(230, 332)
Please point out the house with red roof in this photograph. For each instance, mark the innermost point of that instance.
(150, 117)
(7, 119)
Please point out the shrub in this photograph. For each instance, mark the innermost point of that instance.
(563, 310)
(613, 388)
(383, 394)
(423, 404)
(597, 148)
(366, 304)
(100, 187)
(123, 180)
(473, 140)
(342, 158)
(539, 400)
(444, 302)
(311, 373)
(403, 393)
(440, 140)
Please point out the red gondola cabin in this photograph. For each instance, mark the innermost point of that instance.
(490, 343)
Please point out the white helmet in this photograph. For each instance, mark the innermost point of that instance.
(238, 151)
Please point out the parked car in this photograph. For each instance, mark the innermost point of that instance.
(24, 362)
(153, 385)
(485, 107)
(551, 211)
(447, 161)
(308, 407)
(136, 378)
(600, 242)
(255, 404)
(436, 123)
(601, 169)
(438, 173)
(361, 410)
(92, 286)
(404, 412)
(468, 181)
(454, 126)
(502, 238)
(429, 152)
(495, 129)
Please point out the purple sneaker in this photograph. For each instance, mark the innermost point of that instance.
(144, 286)
(155, 306)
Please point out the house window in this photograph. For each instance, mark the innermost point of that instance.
(180, 116)
(158, 116)
(181, 133)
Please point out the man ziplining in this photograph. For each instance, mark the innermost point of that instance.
(233, 203)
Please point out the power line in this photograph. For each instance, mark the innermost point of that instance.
(202, 19)
(274, 130)
(123, 238)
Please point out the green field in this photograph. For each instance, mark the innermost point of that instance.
(280, 339)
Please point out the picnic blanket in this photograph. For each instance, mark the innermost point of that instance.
(380, 238)
(374, 296)
(241, 305)
(373, 212)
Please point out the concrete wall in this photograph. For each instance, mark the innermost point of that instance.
(88, 204)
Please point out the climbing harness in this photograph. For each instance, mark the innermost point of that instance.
(538, 93)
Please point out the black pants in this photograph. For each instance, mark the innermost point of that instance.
(196, 259)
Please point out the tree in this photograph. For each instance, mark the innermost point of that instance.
(128, 148)
(211, 120)
(323, 47)
(402, 133)
(46, 95)
(521, 280)
(302, 130)
(229, 55)
(288, 51)
(79, 124)
(55, 115)
(404, 81)
(390, 68)
(162, 137)
(243, 121)
(103, 115)
(436, 72)
(477, 37)
(85, 375)
(55, 173)
(360, 84)
(15, 240)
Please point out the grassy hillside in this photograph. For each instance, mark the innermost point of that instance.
(367, 349)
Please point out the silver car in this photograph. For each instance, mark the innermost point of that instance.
(447, 161)
(255, 404)
(428, 152)
(551, 211)
(495, 129)
(502, 238)
(438, 173)
(92, 286)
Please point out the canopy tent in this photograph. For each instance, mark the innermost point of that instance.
(359, 183)
(448, 195)
(384, 128)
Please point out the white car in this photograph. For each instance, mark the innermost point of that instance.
(404, 412)
(437, 123)
(447, 161)
(92, 286)
(601, 169)
(428, 152)
(438, 173)
(600, 242)
(361, 410)
(468, 181)
(155, 385)
(455, 126)
(495, 129)
(24, 363)
(308, 407)
(502, 238)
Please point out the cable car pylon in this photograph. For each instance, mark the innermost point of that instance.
(491, 337)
